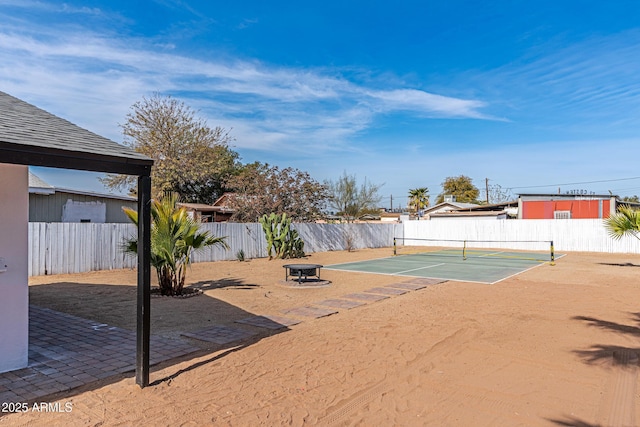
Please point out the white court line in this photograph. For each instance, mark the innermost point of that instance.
(421, 268)
(520, 272)
(494, 253)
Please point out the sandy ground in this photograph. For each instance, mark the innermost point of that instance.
(556, 345)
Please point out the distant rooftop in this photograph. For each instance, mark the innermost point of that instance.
(566, 195)
(38, 186)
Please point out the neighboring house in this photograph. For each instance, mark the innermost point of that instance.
(504, 210)
(469, 215)
(566, 206)
(53, 204)
(219, 211)
(446, 206)
(370, 218)
(390, 216)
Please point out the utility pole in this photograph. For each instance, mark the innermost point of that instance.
(486, 184)
(391, 203)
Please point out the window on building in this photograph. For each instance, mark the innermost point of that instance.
(562, 215)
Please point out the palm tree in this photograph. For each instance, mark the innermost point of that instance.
(624, 222)
(419, 198)
(174, 237)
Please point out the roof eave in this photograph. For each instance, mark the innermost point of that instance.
(78, 160)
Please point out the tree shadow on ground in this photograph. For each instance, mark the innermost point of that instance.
(605, 355)
(572, 422)
(223, 283)
(613, 354)
(612, 326)
(622, 264)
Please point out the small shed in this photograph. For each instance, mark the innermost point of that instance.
(30, 136)
(219, 211)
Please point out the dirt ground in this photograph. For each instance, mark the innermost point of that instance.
(553, 346)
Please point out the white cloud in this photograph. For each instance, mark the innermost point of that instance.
(93, 80)
(427, 103)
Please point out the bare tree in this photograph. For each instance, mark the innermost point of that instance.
(497, 194)
(190, 157)
(349, 199)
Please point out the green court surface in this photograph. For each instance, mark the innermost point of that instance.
(490, 266)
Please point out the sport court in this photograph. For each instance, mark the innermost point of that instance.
(470, 265)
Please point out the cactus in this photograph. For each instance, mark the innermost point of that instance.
(296, 245)
(275, 228)
(282, 240)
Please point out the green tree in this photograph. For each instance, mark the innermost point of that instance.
(210, 187)
(633, 199)
(461, 187)
(174, 237)
(419, 198)
(349, 199)
(260, 189)
(625, 222)
(189, 157)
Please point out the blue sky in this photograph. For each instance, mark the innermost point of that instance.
(534, 96)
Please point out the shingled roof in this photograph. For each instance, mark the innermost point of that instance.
(32, 136)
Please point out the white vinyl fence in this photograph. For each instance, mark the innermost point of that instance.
(58, 248)
(579, 235)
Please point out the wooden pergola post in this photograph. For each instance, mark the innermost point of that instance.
(143, 332)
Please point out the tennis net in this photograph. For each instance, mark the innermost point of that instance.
(534, 250)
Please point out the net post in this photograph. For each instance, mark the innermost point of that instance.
(395, 252)
(464, 250)
(553, 256)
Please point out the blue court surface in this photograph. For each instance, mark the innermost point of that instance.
(480, 266)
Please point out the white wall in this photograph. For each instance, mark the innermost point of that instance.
(74, 211)
(14, 288)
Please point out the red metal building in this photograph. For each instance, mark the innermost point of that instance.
(566, 206)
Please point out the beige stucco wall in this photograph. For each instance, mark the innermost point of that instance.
(14, 235)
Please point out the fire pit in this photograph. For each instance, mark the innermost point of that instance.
(302, 271)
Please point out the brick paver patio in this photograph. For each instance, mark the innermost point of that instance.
(220, 334)
(66, 352)
(366, 297)
(407, 286)
(339, 303)
(387, 291)
(309, 311)
(426, 281)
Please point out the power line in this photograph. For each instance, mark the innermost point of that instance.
(578, 183)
